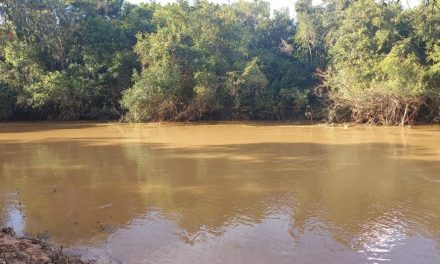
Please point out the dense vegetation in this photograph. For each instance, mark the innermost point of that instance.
(342, 60)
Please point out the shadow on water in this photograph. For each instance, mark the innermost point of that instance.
(39, 126)
(356, 197)
(27, 127)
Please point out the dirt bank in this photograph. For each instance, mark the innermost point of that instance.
(17, 250)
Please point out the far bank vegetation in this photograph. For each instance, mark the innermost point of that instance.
(366, 61)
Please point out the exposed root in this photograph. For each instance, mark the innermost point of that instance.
(376, 109)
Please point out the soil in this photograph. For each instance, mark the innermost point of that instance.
(22, 250)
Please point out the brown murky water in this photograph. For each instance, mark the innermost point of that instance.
(225, 193)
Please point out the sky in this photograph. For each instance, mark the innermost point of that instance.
(275, 4)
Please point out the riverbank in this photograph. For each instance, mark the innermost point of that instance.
(21, 250)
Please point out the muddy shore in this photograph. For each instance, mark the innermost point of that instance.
(22, 250)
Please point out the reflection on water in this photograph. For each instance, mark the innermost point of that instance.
(225, 193)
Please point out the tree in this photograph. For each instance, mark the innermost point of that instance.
(344, 60)
(69, 59)
(376, 71)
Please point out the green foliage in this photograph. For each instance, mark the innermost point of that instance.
(248, 89)
(63, 94)
(210, 61)
(401, 73)
(70, 59)
(7, 101)
(378, 70)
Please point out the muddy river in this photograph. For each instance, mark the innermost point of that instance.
(225, 193)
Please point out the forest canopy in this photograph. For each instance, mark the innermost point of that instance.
(340, 61)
